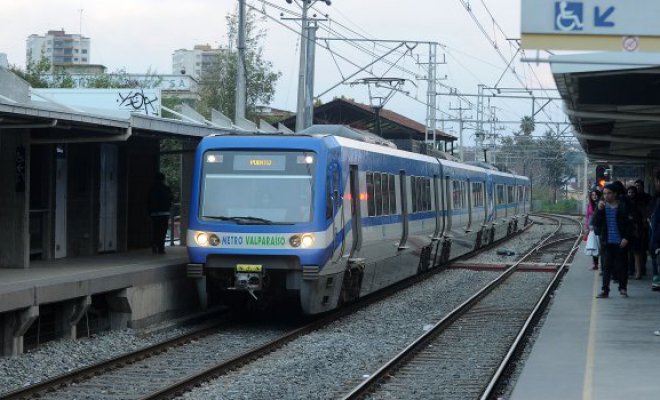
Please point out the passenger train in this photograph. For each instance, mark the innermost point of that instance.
(327, 219)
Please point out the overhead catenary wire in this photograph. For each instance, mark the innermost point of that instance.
(345, 58)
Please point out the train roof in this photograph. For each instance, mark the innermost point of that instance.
(357, 144)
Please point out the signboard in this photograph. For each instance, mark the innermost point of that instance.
(175, 83)
(614, 25)
(117, 103)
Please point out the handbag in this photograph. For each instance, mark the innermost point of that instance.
(592, 247)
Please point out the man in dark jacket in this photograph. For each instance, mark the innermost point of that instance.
(160, 202)
(654, 232)
(612, 223)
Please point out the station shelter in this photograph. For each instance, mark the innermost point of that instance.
(75, 183)
(613, 102)
(603, 348)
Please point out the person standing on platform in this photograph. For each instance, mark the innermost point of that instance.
(638, 241)
(592, 205)
(160, 203)
(654, 233)
(612, 223)
(646, 202)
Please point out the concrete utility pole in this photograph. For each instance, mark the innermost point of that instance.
(460, 110)
(302, 70)
(241, 86)
(306, 68)
(309, 80)
(431, 94)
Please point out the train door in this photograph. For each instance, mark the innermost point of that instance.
(491, 192)
(449, 205)
(468, 191)
(404, 210)
(439, 219)
(333, 203)
(356, 217)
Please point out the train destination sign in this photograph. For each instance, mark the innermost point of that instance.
(611, 25)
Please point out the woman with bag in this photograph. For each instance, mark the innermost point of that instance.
(592, 246)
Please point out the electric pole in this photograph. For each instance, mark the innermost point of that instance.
(460, 110)
(305, 78)
(239, 111)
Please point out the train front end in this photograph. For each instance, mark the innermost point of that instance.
(253, 220)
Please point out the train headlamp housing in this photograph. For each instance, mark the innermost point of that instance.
(214, 240)
(294, 241)
(202, 239)
(307, 240)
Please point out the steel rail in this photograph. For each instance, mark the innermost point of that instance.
(99, 368)
(367, 385)
(178, 388)
(84, 373)
(531, 320)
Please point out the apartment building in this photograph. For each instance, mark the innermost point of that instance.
(59, 47)
(194, 62)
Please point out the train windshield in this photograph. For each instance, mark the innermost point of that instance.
(258, 187)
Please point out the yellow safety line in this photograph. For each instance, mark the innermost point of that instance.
(587, 387)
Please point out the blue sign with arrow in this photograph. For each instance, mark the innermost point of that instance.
(601, 18)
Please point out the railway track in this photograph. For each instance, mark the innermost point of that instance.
(182, 359)
(465, 355)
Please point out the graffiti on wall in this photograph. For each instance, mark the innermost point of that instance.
(135, 100)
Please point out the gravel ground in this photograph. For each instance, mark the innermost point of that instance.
(330, 357)
(327, 363)
(57, 357)
(520, 245)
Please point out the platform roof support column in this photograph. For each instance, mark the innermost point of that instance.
(14, 198)
(70, 314)
(14, 326)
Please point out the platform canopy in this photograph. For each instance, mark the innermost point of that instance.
(613, 102)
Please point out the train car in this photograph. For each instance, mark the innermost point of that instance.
(325, 219)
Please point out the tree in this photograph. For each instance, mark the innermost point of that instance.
(527, 125)
(217, 88)
(40, 74)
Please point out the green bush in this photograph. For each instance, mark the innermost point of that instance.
(561, 207)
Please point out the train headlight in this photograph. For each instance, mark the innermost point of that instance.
(294, 241)
(214, 240)
(307, 240)
(202, 239)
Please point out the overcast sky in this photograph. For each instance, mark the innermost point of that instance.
(141, 35)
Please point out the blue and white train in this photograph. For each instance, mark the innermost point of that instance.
(328, 219)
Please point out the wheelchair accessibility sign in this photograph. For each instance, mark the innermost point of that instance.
(569, 16)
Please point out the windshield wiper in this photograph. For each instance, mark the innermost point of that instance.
(243, 220)
(253, 219)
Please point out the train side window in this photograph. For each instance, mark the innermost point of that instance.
(500, 194)
(509, 194)
(422, 191)
(392, 195)
(370, 194)
(385, 193)
(477, 194)
(378, 194)
(420, 194)
(427, 193)
(457, 194)
(413, 192)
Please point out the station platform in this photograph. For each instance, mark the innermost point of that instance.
(135, 289)
(595, 349)
(67, 278)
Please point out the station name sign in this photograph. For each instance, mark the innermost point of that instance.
(612, 25)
